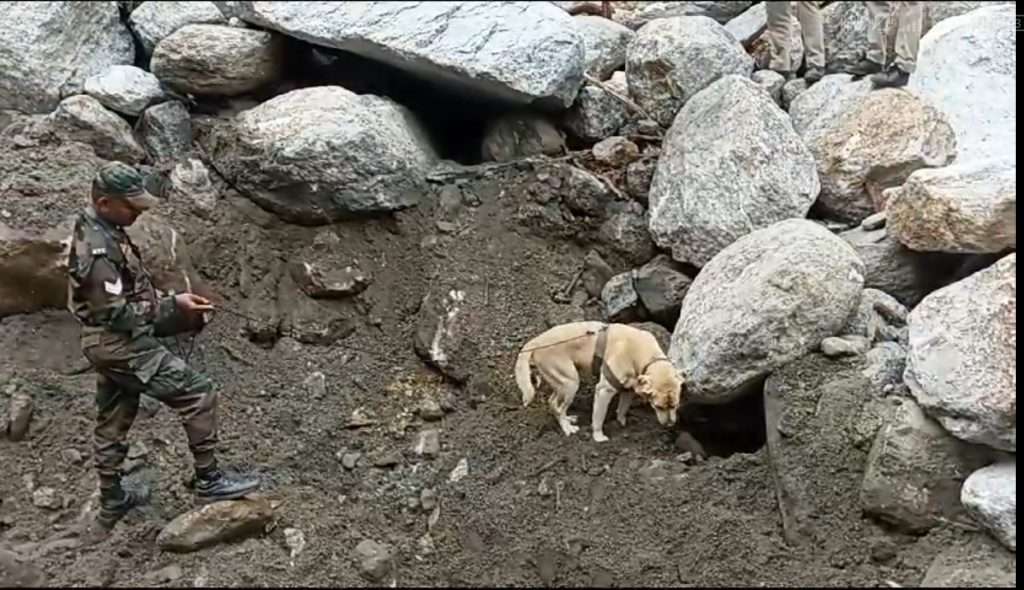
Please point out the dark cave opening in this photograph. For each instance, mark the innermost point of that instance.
(725, 429)
(454, 121)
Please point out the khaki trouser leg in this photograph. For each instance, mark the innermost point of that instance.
(812, 30)
(878, 15)
(779, 19)
(910, 15)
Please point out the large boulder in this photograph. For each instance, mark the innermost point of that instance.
(915, 469)
(125, 89)
(820, 417)
(210, 60)
(319, 154)
(967, 68)
(731, 164)
(673, 59)
(816, 109)
(990, 496)
(961, 366)
(890, 266)
(82, 118)
(49, 49)
(33, 267)
(166, 132)
(749, 25)
(876, 145)
(605, 43)
(962, 208)
(764, 301)
(153, 21)
(637, 14)
(597, 114)
(517, 52)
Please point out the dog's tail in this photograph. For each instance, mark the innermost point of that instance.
(524, 376)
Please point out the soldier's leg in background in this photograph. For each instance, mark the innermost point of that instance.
(192, 396)
(878, 16)
(779, 21)
(910, 16)
(115, 413)
(812, 30)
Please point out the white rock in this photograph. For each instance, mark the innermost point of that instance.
(962, 208)
(46, 498)
(731, 164)
(318, 154)
(642, 13)
(596, 114)
(125, 89)
(190, 180)
(890, 266)
(153, 21)
(49, 49)
(914, 471)
(961, 366)
(615, 151)
(967, 68)
(764, 301)
(791, 90)
(515, 51)
(990, 496)
(210, 60)
(876, 145)
(672, 59)
(749, 25)
(772, 82)
(166, 131)
(83, 118)
(605, 43)
(815, 110)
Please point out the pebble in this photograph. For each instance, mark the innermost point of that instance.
(137, 450)
(19, 414)
(428, 443)
(72, 456)
(873, 222)
(316, 385)
(430, 410)
(388, 459)
(845, 346)
(461, 471)
(428, 499)
(171, 573)
(360, 418)
(350, 460)
(375, 560)
(46, 498)
(296, 542)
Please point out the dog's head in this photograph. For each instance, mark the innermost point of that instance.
(662, 386)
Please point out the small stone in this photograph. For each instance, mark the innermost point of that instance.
(171, 573)
(447, 402)
(791, 90)
(360, 418)
(844, 346)
(387, 459)
(19, 416)
(430, 410)
(296, 542)
(375, 560)
(543, 488)
(873, 222)
(72, 456)
(316, 385)
(428, 443)
(616, 151)
(461, 471)
(350, 460)
(990, 496)
(46, 498)
(428, 499)
(137, 450)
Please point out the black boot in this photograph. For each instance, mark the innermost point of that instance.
(215, 485)
(863, 68)
(813, 75)
(893, 78)
(116, 502)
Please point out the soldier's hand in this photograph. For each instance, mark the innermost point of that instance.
(192, 303)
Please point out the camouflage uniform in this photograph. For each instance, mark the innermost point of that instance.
(122, 315)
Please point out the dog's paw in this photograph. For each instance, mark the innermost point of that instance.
(600, 437)
(570, 429)
(571, 419)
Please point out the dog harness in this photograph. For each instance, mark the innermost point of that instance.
(601, 368)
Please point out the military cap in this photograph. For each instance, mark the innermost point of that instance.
(118, 180)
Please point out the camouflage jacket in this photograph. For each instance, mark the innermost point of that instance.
(108, 289)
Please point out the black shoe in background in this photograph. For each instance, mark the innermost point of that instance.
(216, 485)
(864, 67)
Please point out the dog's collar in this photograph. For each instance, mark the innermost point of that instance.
(652, 361)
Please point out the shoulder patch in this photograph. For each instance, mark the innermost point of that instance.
(114, 288)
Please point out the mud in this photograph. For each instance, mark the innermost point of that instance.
(534, 508)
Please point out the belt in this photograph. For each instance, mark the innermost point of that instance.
(599, 367)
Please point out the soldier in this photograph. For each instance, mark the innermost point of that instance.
(122, 314)
(908, 34)
(780, 19)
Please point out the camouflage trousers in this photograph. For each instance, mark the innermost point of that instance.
(146, 366)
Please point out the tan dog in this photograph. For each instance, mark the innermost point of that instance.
(632, 357)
